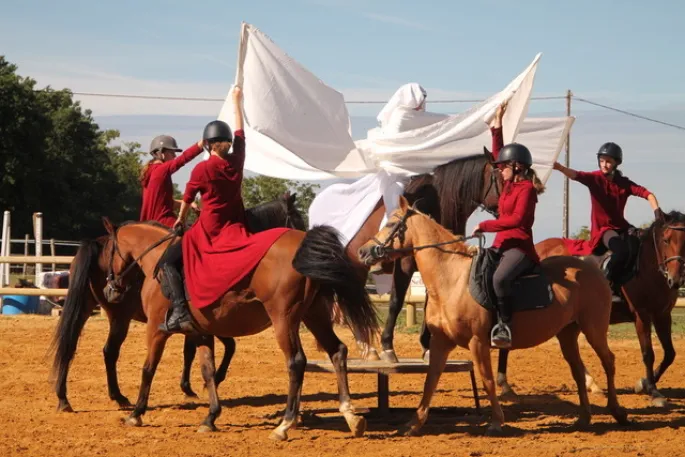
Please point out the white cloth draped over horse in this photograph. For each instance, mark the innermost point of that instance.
(297, 127)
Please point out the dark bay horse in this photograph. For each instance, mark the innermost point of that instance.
(280, 212)
(650, 298)
(582, 303)
(295, 282)
(449, 195)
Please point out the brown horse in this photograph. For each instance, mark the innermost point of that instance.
(450, 195)
(280, 212)
(582, 303)
(295, 282)
(649, 299)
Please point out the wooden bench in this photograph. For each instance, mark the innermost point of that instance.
(384, 369)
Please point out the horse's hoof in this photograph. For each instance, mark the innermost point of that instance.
(64, 407)
(372, 355)
(389, 356)
(277, 435)
(357, 425)
(408, 430)
(621, 417)
(494, 430)
(133, 421)
(659, 401)
(582, 423)
(508, 395)
(641, 386)
(204, 428)
(188, 391)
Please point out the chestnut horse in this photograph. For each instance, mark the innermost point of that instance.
(649, 299)
(450, 195)
(582, 303)
(295, 282)
(280, 212)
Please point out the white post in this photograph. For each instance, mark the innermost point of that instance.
(38, 236)
(5, 248)
(26, 253)
(52, 251)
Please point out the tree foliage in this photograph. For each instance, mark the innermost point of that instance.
(57, 161)
(582, 234)
(262, 189)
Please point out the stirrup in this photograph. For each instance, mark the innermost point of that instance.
(186, 328)
(493, 334)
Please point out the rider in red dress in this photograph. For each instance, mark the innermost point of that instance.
(158, 190)
(218, 251)
(609, 191)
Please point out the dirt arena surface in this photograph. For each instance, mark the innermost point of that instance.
(254, 395)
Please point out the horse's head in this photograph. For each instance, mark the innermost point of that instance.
(385, 245)
(117, 262)
(669, 244)
(294, 219)
(493, 184)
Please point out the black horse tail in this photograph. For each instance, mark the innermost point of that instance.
(77, 308)
(322, 258)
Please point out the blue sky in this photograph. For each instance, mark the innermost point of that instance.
(622, 53)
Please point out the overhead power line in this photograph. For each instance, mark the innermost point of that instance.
(378, 102)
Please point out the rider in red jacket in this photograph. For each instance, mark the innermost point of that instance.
(514, 228)
(609, 191)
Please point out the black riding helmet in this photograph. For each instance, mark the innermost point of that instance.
(611, 150)
(515, 152)
(217, 131)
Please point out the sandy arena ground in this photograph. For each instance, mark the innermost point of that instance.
(254, 394)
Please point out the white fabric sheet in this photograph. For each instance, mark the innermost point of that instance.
(299, 128)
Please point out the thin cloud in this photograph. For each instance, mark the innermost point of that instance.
(395, 20)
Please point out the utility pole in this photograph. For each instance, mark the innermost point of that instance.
(567, 163)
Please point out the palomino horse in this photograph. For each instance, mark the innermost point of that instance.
(280, 212)
(295, 282)
(449, 195)
(582, 303)
(650, 298)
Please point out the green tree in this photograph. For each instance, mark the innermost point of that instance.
(262, 189)
(57, 161)
(582, 234)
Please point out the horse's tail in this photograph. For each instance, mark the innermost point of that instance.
(322, 258)
(75, 312)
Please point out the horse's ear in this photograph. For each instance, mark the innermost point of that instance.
(292, 198)
(488, 154)
(404, 204)
(109, 226)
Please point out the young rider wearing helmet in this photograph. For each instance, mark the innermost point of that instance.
(514, 228)
(609, 192)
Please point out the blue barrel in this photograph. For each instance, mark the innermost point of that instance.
(19, 304)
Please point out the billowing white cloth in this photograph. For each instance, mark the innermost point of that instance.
(410, 97)
(299, 128)
(347, 206)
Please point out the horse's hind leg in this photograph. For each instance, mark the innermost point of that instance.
(320, 326)
(118, 330)
(206, 346)
(597, 338)
(229, 351)
(568, 340)
(155, 348)
(189, 351)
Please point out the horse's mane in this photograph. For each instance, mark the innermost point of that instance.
(672, 217)
(451, 193)
(152, 223)
(459, 245)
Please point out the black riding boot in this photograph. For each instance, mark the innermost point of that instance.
(500, 337)
(611, 275)
(178, 320)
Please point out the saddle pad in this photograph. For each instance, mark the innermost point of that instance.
(531, 290)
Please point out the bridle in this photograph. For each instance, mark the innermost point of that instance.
(114, 283)
(491, 185)
(381, 249)
(662, 263)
